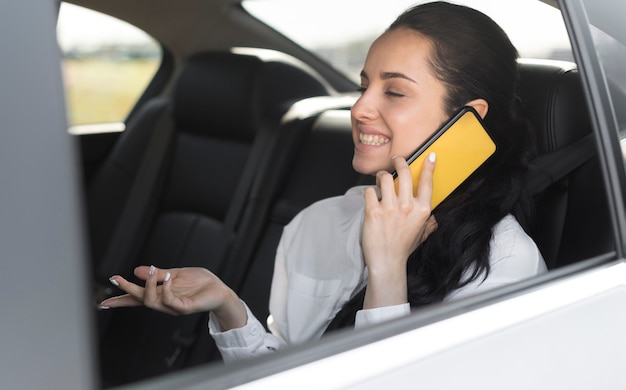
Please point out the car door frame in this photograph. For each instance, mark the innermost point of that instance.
(46, 333)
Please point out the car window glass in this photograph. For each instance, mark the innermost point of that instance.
(612, 55)
(353, 24)
(107, 64)
(609, 38)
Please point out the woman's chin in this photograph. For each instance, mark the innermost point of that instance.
(367, 169)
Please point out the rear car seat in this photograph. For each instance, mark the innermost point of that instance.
(225, 111)
(572, 221)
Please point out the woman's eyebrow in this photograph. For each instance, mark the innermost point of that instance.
(396, 75)
(389, 75)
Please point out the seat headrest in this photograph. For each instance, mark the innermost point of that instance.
(219, 93)
(228, 94)
(552, 94)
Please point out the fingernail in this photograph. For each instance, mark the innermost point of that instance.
(394, 157)
(114, 282)
(152, 270)
(104, 307)
(432, 157)
(167, 276)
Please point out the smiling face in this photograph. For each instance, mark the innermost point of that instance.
(401, 104)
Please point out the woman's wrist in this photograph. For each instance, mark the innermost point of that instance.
(232, 313)
(386, 287)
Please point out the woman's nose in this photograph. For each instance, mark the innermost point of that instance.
(364, 107)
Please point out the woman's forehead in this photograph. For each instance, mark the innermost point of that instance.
(400, 50)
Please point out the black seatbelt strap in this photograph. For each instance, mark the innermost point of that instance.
(123, 243)
(551, 167)
(231, 270)
(254, 165)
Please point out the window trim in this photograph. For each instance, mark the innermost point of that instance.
(601, 116)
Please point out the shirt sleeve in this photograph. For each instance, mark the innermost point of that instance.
(369, 317)
(248, 341)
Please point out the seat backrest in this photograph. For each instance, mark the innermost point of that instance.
(572, 221)
(226, 110)
(221, 103)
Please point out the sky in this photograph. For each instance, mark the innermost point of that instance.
(78, 26)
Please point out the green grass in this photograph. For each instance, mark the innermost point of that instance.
(101, 90)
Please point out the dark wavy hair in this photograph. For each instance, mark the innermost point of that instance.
(474, 59)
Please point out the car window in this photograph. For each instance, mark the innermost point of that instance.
(107, 64)
(353, 25)
(611, 51)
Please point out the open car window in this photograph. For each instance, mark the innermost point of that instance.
(353, 24)
(580, 236)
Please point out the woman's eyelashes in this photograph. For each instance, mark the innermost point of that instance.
(389, 93)
(393, 94)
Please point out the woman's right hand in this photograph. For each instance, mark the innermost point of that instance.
(180, 291)
(394, 225)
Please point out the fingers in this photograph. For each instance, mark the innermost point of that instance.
(431, 226)
(385, 181)
(404, 178)
(171, 303)
(149, 295)
(425, 187)
(372, 196)
(143, 272)
(128, 287)
(125, 300)
(134, 296)
(159, 297)
(167, 296)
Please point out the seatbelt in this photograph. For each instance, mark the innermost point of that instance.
(231, 271)
(253, 166)
(550, 167)
(118, 256)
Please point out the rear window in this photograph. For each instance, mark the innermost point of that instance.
(107, 64)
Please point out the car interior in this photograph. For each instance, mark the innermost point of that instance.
(208, 172)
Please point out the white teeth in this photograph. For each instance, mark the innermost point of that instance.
(370, 139)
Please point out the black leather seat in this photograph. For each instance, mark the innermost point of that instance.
(225, 111)
(222, 104)
(572, 220)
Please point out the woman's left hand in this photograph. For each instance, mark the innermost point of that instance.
(393, 227)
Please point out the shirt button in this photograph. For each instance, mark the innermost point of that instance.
(254, 331)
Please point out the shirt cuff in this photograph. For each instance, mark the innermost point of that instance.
(368, 317)
(238, 340)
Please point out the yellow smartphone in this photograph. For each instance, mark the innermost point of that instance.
(461, 145)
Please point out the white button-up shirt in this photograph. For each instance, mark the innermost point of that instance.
(319, 267)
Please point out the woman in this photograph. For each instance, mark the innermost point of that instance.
(373, 254)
